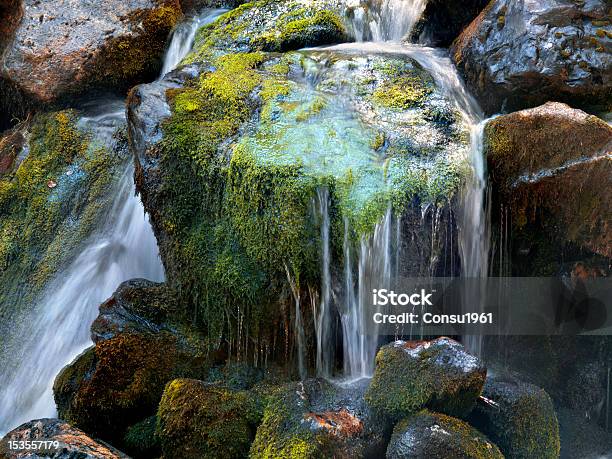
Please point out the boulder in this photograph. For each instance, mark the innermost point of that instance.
(519, 417)
(521, 54)
(198, 420)
(552, 167)
(438, 374)
(141, 439)
(443, 20)
(71, 442)
(316, 418)
(11, 12)
(119, 382)
(251, 123)
(62, 48)
(433, 435)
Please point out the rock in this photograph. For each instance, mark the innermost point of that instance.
(72, 442)
(552, 167)
(11, 145)
(62, 48)
(521, 54)
(11, 12)
(141, 440)
(199, 420)
(432, 435)
(439, 374)
(241, 121)
(519, 417)
(119, 382)
(316, 418)
(443, 20)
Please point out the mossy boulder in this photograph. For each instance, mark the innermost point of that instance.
(516, 55)
(431, 435)
(54, 192)
(72, 442)
(519, 417)
(62, 48)
(551, 166)
(119, 382)
(141, 439)
(233, 148)
(319, 419)
(438, 374)
(199, 420)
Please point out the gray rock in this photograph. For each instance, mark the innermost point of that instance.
(518, 54)
(71, 442)
(433, 435)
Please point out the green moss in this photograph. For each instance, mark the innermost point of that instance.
(220, 422)
(402, 93)
(54, 200)
(141, 440)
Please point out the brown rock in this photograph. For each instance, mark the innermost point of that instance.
(71, 442)
(553, 165)
(63, 47)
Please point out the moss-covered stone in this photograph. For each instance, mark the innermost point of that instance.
(433, 435)
(141, 440)
(438, 374)
(521, 419)
(51, 198)
(119, 382)
(199, 420)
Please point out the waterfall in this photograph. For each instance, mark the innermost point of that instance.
(324, 317)
(385, 20)
(375, 263)
(122, 249)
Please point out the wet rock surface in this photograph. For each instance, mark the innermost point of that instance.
(433, 435)
(73, 443)
(119, 382)
(439, 374)
(63, 48)
(316, 418)
(521, 54)
(552, 167)
(221, 422)
(519, 417)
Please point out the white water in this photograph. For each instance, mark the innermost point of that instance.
(385, 20)
(124, 248)
(386, 23)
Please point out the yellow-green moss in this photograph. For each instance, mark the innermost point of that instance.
(402, 93)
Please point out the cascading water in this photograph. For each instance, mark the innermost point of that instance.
(384, 24)
(385, 20)
(124, 248)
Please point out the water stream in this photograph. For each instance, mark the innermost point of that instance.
(379, 28)
(123, 248)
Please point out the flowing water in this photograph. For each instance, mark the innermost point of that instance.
(124, 248)
(378, 27)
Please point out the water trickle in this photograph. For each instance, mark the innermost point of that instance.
(124, 248)
(324, 313)
(384, 20)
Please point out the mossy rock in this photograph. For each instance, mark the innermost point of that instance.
(53, 194)
(271, 25)
(433, 435)
(438, 374)
(141, 439)
(520, 419)
(119, 382)
(318, 419)
(200, 420)
(246, 146)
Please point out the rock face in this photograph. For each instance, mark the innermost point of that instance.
(316, 418)
(521, 54)
(221, 422)
(62, 48)
(552, 166)
(443, 20)
(266, 129)
(72, 442)
(438, 374)
(119, 382)
(433, 435)
(519, 418)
